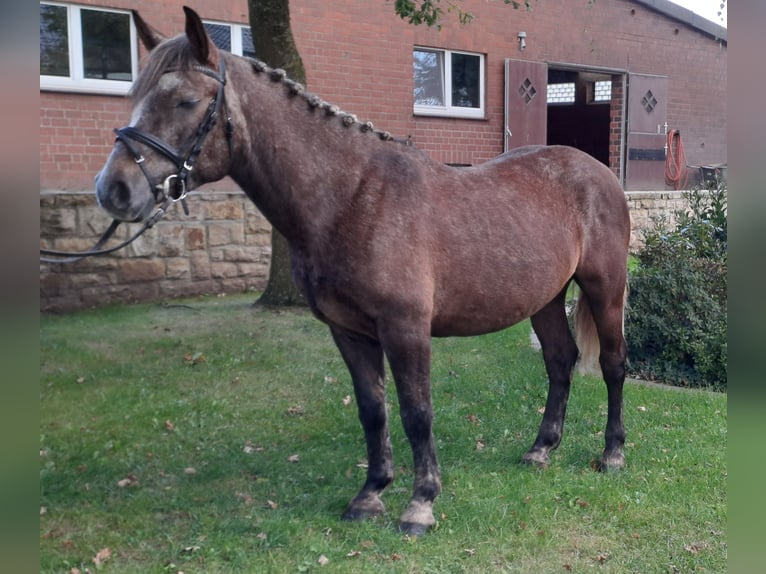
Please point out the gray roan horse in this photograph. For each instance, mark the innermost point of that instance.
(389, 247)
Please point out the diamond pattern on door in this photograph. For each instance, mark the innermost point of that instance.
(649, 101)
(527, 91)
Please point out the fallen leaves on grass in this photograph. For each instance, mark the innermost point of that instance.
(323, 560)
(129, 480)
(102, 556)
(296, 410)
(169, 426)
(194, 358)
(696, 547)
(250, 448)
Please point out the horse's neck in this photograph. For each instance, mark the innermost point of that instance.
(297, 162)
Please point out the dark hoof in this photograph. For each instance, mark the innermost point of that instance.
(418, 518)
(536, 458)
(364, 509)
(414, 530)
(611, 463)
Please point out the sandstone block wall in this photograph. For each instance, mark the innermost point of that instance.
(224, 245)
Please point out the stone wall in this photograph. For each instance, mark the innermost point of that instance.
(645, 206)
(223, 246)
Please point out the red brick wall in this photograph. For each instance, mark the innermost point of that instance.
(358, 55)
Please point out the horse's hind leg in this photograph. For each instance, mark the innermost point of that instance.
(560, 354)
(364, 358)
(606, 302)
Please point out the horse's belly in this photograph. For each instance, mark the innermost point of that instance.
(482, 304)
(477, 318)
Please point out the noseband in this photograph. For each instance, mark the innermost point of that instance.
(174, 188)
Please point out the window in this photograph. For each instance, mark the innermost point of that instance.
(448, 83)
(86, 49)
(233, 38)
(561, 93)
(602, 91)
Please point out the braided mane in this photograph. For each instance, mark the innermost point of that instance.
(176, 54)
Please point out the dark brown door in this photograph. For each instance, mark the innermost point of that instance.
(526, 105)
(647, 132)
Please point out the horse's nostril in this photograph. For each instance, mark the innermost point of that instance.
(120, 193)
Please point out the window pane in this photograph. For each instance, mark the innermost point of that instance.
(106, 45)
(561, 93)
(466, 71)
(220, 34)
(602, 91)
(428, 70)
(248, 50)
(54, 41)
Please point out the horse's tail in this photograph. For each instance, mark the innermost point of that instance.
(586, 335)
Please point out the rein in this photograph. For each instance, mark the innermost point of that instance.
(173, 188)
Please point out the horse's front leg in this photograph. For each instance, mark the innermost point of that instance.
(364, 358)
(409, 354)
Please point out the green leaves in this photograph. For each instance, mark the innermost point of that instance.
(676, 324)
(430, 12)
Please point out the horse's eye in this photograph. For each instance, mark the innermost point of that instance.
(188, 104)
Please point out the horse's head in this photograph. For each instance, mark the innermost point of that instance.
(179, 132)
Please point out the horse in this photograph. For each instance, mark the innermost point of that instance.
(389, 247)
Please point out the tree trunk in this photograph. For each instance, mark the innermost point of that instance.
(274, 45)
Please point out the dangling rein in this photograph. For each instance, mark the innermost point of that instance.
(56, 256)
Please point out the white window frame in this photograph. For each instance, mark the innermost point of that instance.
(448, 110)
(235, 38)
(76, 82)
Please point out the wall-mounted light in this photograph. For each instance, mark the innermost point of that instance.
(522, 40)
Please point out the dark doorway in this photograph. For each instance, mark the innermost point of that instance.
(579, 111)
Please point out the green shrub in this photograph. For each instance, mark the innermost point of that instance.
(675, 321)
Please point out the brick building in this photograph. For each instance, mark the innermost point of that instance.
(611, 77)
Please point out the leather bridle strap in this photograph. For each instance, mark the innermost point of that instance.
(174, 185)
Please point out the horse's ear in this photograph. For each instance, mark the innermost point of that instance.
(198, 38)
(148, 35)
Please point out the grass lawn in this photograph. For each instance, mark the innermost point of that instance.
(211, 436)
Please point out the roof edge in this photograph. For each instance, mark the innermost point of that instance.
(686, 16)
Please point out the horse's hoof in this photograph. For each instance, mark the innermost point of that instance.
(609, 463)
(536, 458)
(363, 509)
(418, 518)
(414, 530)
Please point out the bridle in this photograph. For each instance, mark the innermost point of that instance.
(173, 189)
(174, 186)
